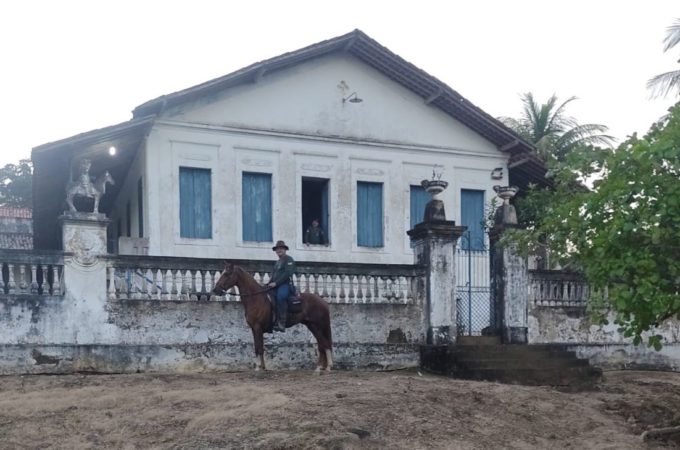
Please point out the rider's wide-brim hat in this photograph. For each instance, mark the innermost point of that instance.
(280, 244)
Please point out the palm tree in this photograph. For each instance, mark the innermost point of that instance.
(551, 130)
(661, 85)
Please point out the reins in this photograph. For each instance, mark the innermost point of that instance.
(252, 293)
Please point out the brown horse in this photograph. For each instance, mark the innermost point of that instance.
(314, 314)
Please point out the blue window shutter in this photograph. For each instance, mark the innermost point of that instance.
(369, 214)
(472, 216)
(202, 204)
(195, 203)
(419, 199)
(257, 207)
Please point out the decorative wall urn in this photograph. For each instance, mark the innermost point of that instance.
(505, 214)
(434, 210)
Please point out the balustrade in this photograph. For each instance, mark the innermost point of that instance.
(30, 273)
(179, 279)
(558, 289)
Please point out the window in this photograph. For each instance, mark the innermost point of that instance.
(315, 206)
(140, 208)
(419, 200)
(369, 214)
(257, 207)
(195, 203)
(472, 216)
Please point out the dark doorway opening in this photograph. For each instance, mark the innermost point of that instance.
(315, 205)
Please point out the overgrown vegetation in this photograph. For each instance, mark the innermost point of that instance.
(623, 231)
(16, 184)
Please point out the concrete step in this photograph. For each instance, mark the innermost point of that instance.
(478, 340)
(510, 364)
(518, 364)
(508, 347)
(533, 377)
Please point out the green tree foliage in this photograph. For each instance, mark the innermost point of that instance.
(16, 184)
(624, 232)
(665, 83)
(551, 130)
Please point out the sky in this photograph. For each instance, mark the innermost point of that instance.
(73, 66)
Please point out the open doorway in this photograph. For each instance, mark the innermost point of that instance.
(315, 207)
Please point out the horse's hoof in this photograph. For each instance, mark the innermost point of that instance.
(317, 371)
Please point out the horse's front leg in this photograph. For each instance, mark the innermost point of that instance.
(258, 339)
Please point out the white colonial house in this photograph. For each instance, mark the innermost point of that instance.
(343, 131)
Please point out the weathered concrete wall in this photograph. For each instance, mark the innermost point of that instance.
(603, 345)
(52, 334)
(628, 356)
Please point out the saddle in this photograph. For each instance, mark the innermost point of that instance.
(294, 306)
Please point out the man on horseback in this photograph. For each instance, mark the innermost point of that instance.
(284, 269)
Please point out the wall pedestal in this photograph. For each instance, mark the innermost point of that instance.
(434, 246)
(509, 275)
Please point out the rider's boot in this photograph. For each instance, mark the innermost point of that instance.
(281, 309)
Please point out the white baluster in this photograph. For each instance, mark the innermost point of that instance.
(163, 284)
(192, 288)
(370, 288)
(34, 279)
(333, 280)
(123, 286)
(353, 284)
(11, 285)
(402, 290)
(186, 279)
(45, 281)
(23, 282)
(410, 289)
(207, 283)
(154, 276)
(341, 294)
(111, 290)
(150, 275)
(174, 274)
(316, 286)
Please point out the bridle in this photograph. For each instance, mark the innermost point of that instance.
(248, 295)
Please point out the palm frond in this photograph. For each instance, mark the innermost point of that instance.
(672, 36)
(661, 85)
(586, 134)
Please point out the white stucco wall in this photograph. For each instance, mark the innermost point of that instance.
(293, 124)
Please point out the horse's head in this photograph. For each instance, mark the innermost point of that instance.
(227, 279)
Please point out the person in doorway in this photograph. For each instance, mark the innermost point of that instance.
(281, 281)
(314, 234)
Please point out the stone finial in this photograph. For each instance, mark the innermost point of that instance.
(506, 213)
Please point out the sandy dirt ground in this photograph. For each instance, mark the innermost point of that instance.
(342, 410)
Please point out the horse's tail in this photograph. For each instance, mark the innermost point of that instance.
(327, 330)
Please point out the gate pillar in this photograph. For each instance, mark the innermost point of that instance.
(509, 275)
(434, 242)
